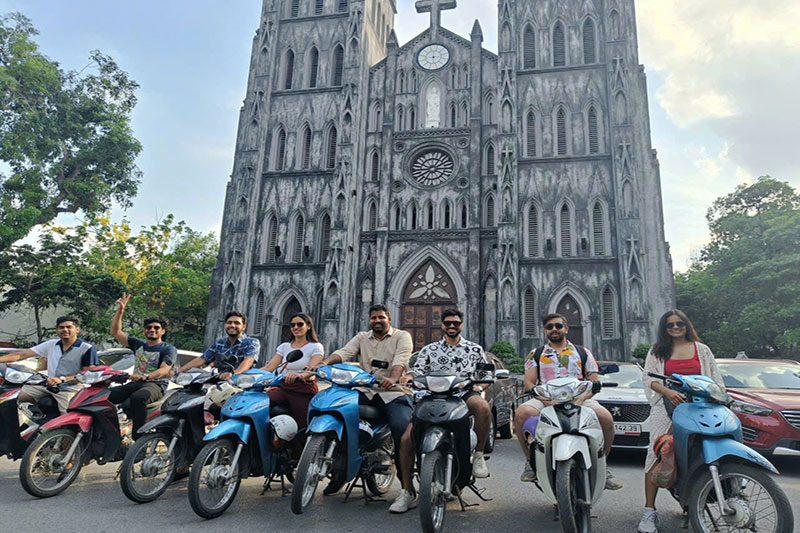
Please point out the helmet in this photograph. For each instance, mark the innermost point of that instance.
(220, 393)
(284, 426)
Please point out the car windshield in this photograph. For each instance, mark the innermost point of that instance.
(628, 377)
(761, 376)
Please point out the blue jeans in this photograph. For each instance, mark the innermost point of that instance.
(397, 413)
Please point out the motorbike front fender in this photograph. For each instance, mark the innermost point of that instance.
(326, 424)
(433, 438)
(231, 426)
(72, 418)
(715, 449)
(566, 446)
(171, 421)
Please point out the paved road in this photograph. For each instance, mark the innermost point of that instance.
(96, 504)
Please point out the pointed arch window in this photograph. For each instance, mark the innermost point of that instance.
(533, 231)
(396, 216)
(490, 109)
(463, 215)
(447, 215)
(429, 215)
(561, 132)
(490, 170)
(331, 153)
(288, 69)
(594, 134)
(401, 81)
(325, 238)
(318, 6)
(412, 118)
(306, 148)
(413, 219)
(372, 216)
(565, 225)
(272, 239)
(280, 150)
(338, 65)
(299, 238)
(413, 81)
(530, 134)
(529, 47)
(529, 313)
(490, 210)
(400, 123)
(609, 314)
(598, 230)
(464, 114)
(453, 115)
(559, 46)
(589, 42)
(313, 67)
(375, 167)
(261, 305)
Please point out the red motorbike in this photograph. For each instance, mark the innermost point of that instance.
(89, 430)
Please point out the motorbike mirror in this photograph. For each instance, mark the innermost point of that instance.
(294, 355)
(502, 374)
(377, 363)
(609, 369)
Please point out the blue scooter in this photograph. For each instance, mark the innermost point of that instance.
(253, 439)
(347, 442)
(722, 484)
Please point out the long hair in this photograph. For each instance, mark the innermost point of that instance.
(662, 348)
(311, 335)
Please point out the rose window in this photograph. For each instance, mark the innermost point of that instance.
(433, 167)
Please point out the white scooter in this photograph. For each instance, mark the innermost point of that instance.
(567, 451)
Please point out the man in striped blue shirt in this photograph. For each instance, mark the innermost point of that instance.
(232, 354)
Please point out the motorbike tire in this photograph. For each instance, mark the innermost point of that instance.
(569, 489)
(378, 483)
(33, 457)
(306, 476)
(703, 489)
(197, 479)
(489, 446)
(432, 502)
(129, 464)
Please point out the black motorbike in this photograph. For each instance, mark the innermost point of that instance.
(20, 422)
(169, 442)
(445, 440)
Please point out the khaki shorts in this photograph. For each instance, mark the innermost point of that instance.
(538, 405)
(37, 392)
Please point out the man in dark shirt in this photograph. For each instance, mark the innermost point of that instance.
(154, 359)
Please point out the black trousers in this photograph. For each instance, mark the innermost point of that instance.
(140, 394)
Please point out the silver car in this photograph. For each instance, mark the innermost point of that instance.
(627, 404)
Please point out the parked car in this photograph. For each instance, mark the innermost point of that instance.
(766, 398)
(31, 363)
(627, 404)
(500, 395)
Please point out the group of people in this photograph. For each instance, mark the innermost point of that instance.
(677, 350)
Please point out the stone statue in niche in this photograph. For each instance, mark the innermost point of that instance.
(507, 206)
(506, 117)
(347, 127)
(507, 300)
(505, 38)
(433, 105)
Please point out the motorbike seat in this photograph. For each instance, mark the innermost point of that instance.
(369, 412)
(275, 410)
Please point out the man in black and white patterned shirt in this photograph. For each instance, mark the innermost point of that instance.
(454, 355)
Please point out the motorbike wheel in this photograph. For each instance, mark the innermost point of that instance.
(570, 490)
(211, 488)
(147, 470)
(309, 472)
(432, 487)
(759, 502)
(489, 446)
(378, 483)
(41, 473)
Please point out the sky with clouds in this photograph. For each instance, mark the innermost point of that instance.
(722, 79)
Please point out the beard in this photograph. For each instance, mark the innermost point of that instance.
(452, 335)
(556, 337)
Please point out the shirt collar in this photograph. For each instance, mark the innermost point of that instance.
(77, 343)
(570, 347)
(236, 342)
(446, 345)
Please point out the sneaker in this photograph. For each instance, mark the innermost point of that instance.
(528, 474)
(404, 502)
(649, 521)
(479, 467)
(612, 483)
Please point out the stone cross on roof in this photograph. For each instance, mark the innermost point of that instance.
(434, 7)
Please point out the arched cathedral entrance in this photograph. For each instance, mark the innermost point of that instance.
(428, 292)
(569, 308)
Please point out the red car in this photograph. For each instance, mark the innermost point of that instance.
(766, 394)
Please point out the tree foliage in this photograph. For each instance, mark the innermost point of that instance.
(65, 136)
(743, 293)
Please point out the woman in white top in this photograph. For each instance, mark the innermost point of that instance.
(297, 390)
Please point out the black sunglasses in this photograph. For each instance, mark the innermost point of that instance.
(558, 325)
(151, 327)
(451, 323)
(676, 325)
(297, 324)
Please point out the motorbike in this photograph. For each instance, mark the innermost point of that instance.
(445, 440)
(347, 442)
(168, 442)
(253, 439)
(722, 484)
(90, 430)
(20, 422)
(567, 450)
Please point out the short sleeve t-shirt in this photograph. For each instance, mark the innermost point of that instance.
(309, 350)
(150, 358)
(69, 363)
(566, 363)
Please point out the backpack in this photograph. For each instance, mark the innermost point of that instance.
(664, 473)
(581, 351)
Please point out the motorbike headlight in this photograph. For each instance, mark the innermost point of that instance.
(245, 381)
(184, 378)
(541, 391)
(716, 393)
(439, 383)
(750, 409)
(15, 376)
(342, 377)
(562, 394)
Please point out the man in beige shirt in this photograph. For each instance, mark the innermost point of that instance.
(384, 343)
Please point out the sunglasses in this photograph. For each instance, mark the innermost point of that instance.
(676, 325)
(146, 328)
(449, 323)
(297, 324)
(558, 326)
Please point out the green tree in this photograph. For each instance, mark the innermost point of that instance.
(506, 352)
(743, 293)
(65, 136)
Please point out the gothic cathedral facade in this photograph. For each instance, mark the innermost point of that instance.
(439, 174)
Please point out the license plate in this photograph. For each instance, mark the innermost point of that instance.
(627, 429)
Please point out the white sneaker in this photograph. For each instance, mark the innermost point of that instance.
(649, 521)
(528, 475)
(404, 502)
(479, 467)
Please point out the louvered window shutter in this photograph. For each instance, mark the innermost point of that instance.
(338, 65)
(325, 239)
(490, 211)
(530, 127)
(295, 8)
(529, 48)
(529, 317)
(288, 75)
(312, 78)
(332, 147)
(561, 126)
(533, 232)
(589, 47)
(609, 326)
(318, 7)
(598, 230)
(260, 305)
(566, 237)
(559, 46)
(299, 236)
(594, 140)
(280, 152)
(272, 242)
(307, 148)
